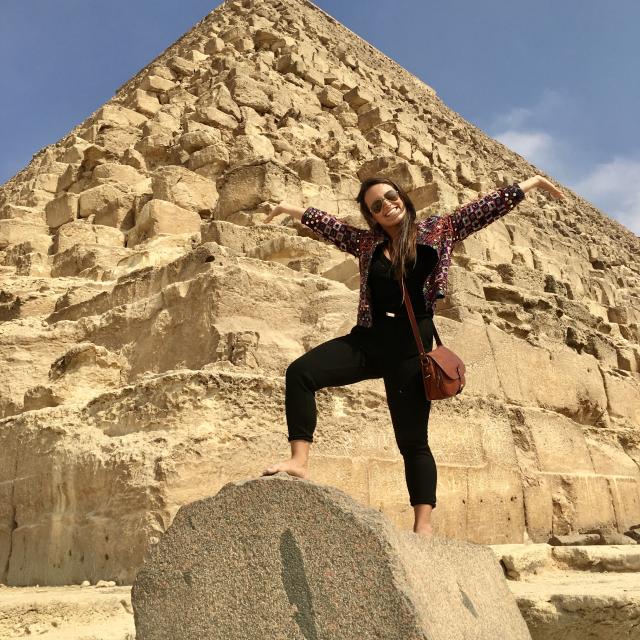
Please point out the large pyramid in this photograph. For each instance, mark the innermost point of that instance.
(148, 315)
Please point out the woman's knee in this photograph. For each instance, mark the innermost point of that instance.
(298, 372)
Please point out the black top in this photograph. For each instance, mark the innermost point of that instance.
(386, 292)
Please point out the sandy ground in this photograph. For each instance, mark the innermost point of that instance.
(66, 613)
(104, 613)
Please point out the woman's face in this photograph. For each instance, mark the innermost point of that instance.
(385, 205)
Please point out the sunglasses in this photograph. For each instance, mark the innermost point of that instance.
(392, 196)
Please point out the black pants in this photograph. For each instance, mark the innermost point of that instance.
(386, 350)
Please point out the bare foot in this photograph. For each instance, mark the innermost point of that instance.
(290, 466)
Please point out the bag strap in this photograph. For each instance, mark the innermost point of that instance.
(414, 324)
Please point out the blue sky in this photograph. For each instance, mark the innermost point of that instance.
(557, 82)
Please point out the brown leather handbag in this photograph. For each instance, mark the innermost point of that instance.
(442, 370)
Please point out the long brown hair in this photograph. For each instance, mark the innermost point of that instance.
(404, 246)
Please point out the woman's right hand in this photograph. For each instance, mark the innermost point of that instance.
(284, 207)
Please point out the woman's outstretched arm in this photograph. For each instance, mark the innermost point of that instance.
(344, 236)
(480, 213)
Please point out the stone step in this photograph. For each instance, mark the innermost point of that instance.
(522, 561)
(574, 605)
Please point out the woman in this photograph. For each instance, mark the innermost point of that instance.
(382, 344)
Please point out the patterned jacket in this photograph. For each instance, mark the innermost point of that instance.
(439, 232)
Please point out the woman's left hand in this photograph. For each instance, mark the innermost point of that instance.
(540, 182)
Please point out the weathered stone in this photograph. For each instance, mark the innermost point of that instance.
(414, 577)
(210, 161)
(405, 175)
(62, 210)
(109, 205)
(18, 231)
(196, 140)
(181, 66)
(373, 118)
(159, 217)
(81, 232)
(247, 92)
(185, 188)
(119, 115)
(358, 97)
(246, 186)
(156, 84)
(213, 46)
(215, 117)
(145, 102)
(313, 170)
(116, 173)
(251, 148)
(220, 97)
(330, 97)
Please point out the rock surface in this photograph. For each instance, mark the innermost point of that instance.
(141, 233)
(260, 560)
(573, 593)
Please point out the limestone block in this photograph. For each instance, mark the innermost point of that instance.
(404, 149)
(110, 173)
(196, 140)
(74, 151)
(116, 140)
(155, 148)
(11, 211)
(314, 76)
(613, 558)
(232, 34)
(313, 170)
(82, 232)
(185, 188)
(214, 45)
(196, 56)
(162, 71)
(250, 148)
(565, 381)
(145, 102)
(248, 92)
(444, 156)
(414, 577)
(221, 97)
(252, 123)
(291, 63)
(46, 182)
(181, 66)
(119, 115)
(160, 217)
(373, 118)
(156, 84)
(210, 161)
(243, 45)
(330, 97)
(358, 97)
(180, 98)
(425, 196)
(623, 396)
(215, 118)
(17, 231)
(377, 136)
(91, 261)
(109, 205)
(245, 186)
(62, 210)
(405, 175)
(522, 560)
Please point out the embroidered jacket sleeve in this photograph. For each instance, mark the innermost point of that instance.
(345, 236)
(480, 213)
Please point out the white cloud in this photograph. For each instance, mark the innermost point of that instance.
(534, 146)
(614, 187)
